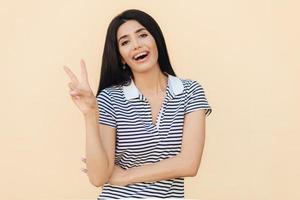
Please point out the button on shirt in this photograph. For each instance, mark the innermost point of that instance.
(139, 141)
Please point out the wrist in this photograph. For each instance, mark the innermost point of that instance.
(93, 112)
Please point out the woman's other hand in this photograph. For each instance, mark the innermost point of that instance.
(80, 91)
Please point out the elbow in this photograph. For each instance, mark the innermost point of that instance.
(188, 167)
(98, 178)
(191, 169)
(97, 181)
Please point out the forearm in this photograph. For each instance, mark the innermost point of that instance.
(170, 168)
(96, 158)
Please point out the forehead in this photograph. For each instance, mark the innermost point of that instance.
(128, 27)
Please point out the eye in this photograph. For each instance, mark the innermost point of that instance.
(124, 43)
(144, 35)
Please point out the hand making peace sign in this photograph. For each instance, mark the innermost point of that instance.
(81, 92)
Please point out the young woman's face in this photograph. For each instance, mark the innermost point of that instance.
(137, 47)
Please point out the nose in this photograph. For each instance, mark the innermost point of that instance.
(136, 43)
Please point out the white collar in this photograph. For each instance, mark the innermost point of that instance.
(174, 83)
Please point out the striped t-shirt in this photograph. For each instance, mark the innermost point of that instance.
(139, 141)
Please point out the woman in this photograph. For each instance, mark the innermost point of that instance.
(145, 128)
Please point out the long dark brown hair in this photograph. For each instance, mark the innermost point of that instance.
(112, 72)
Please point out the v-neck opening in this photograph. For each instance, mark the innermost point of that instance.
(148, 120)
(158, 117)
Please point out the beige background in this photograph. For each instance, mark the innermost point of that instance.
(244, 53)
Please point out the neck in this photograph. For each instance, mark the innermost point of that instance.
(151, 82)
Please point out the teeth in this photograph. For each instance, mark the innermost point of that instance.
(140, 54)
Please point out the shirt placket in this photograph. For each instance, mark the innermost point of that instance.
(161, 112)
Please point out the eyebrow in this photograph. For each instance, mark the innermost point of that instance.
(139, 30)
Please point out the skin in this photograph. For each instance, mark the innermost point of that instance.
(152, 83)
(99, 154)
(133, 38)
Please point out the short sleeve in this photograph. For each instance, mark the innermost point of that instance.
(106, 110)
(197, 99)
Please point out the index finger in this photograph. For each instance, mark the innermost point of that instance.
(84, 75)
(71, 75)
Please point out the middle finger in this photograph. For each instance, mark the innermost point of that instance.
(71, 75)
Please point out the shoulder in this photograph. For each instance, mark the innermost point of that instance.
(110, 92)
(190, 85)
(107, 98)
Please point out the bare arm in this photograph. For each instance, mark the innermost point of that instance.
(99, 161)
(100, 139)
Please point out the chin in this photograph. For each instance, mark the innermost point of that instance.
(145, 67)
(142, 70)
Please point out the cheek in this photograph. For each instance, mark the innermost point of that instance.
(155, 51)
(153, 46)
(124, 53)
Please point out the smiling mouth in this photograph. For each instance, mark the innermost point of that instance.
(141, 56)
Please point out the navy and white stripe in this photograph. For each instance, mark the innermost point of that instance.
(139, 141)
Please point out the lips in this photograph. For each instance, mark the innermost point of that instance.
(141, 56)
